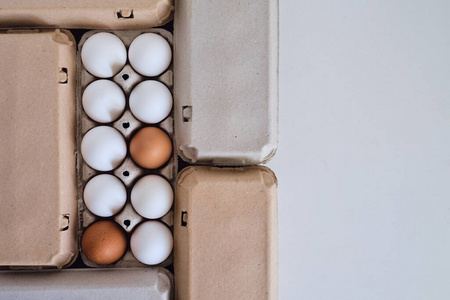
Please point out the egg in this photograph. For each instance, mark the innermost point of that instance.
(152, 196)
(105, 195)
(103, 148)
(150, 54)
(104, 242)
(151, 101)
(151, 147)
(103, 54)
(103, 101)
(151, 243)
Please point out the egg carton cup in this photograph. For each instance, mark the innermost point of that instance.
(127, 124)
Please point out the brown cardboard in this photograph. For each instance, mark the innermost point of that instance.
(85, 173)
(210, 262)
(111, 14)
(228, 248)
(153, 283)
(226, 81)
(38, 219)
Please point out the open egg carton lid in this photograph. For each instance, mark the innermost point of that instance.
(39, 215)
(88, 14)
(38, 219)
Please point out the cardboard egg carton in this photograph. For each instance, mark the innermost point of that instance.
(225, 87)
(39, 146)
(129, 172)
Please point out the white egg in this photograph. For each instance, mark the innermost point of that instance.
(152, 196)
(105, 195)
(151, 243)
(150, 54)
(103, 101)
(103, 148)
(103, 54)
(151, 101)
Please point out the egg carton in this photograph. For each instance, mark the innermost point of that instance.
(127, 124)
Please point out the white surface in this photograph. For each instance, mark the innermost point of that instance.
(364, 154)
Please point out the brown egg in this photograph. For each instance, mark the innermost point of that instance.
(151, 147)
(104, 242)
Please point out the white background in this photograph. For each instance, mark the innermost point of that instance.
(364, 153)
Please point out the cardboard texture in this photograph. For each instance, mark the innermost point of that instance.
(111, 14)
(153, 283)
(38, 219)
(225, 231)
(226, 81)
(128, 218)
(225, 113)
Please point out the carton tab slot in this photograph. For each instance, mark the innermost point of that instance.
(63, 76)
(125, 14)
(187, 113)
(184, 216)
(65, 222)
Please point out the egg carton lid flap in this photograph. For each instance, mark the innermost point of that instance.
(225, 233)
(148, 283)
(38, 219)
(106, 14)
(226, 81)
